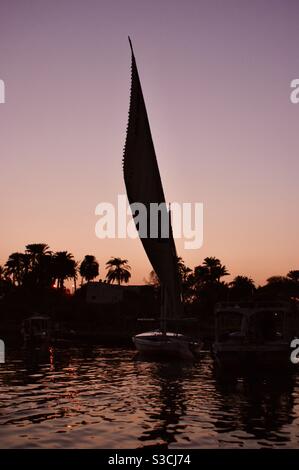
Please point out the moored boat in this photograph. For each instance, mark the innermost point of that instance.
(37, 330)
(168, 344)
(254, 334)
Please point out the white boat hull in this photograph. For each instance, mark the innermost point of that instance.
(165, 345)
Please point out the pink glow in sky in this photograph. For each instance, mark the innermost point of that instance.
(216, 79)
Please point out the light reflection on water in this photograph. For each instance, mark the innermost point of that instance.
(106, 398)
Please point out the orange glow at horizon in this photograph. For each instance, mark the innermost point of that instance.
(224, 129)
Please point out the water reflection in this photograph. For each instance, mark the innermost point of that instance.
(170, 378)
(259, 404)
(90, 396)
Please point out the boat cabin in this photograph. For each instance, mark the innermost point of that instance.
(256, 322)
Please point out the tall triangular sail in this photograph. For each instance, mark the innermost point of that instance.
(143, 184)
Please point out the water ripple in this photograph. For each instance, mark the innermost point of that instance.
(105, 397)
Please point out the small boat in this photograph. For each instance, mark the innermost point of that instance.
(143, 185)
(254, 334)
(37, 330)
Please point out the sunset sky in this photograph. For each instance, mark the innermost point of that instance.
(216, 80)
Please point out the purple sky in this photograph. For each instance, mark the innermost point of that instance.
(216, 79)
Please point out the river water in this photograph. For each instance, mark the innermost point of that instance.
(99, 397)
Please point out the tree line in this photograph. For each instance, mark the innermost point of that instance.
(205, 285)
(39, 266)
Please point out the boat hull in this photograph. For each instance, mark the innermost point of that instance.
(161, 345)
(252, 356)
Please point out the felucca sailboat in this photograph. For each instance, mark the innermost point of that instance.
(143, 185)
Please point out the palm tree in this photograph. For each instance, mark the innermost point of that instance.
(186, 279)
(215, 269)
(210, 271)
(242, 287)
(118, 270)
(206, 286)
(17, 267)
(293, 275)
(183, 270)
(37, 251)
(89, 268)
(200, 275)
(40, 263)
(64, 267)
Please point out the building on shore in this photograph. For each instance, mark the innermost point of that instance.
(136, 301)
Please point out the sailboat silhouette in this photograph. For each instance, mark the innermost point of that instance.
(143, 185)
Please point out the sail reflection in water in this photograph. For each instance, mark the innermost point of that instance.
(102, 397)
